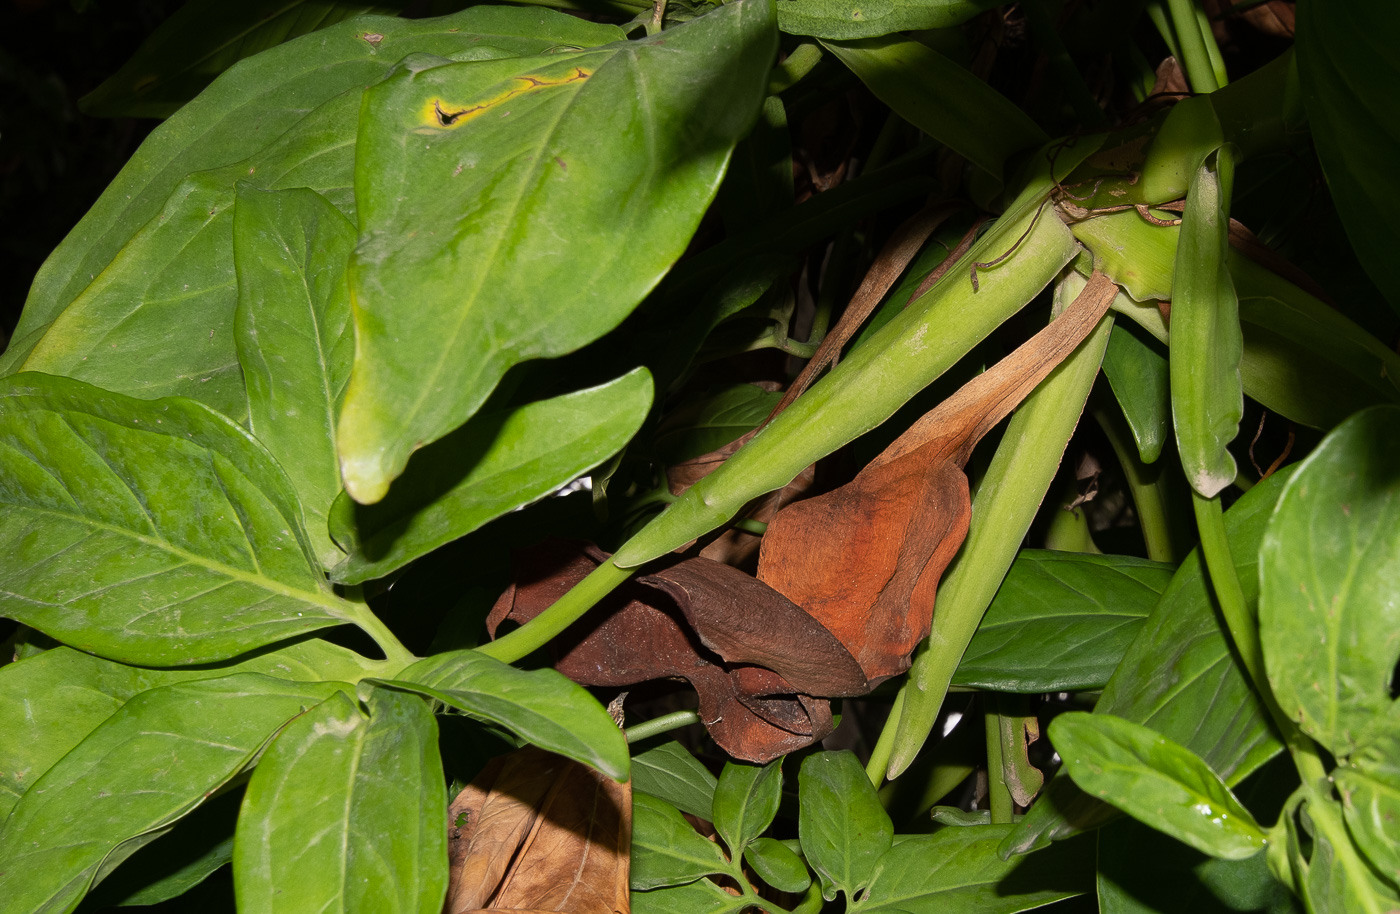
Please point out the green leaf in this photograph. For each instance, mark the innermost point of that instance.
(858, 19)
(701, 897)
(499, 461)
(1180, 678)
(55, 699)
(1142, 871)
(164, 753)
(498, 224)
(256, 102)
(746, 801)
(957, 869)
(942, 99)
(1061, 621)
(708, 424)
(1206, 342)
(1347, 66)
(776, 865)
(201, 40)
(539, 706)
(153, 532)
(1317, 858)
(671, 773)
(1139, 377)
(346, 811)
(666, 850)
(842, 827)
(289, 252)
(1370, 791)
(1329, 622)
(1156, 781)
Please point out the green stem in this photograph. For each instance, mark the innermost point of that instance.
(372, 625)
(1217, 60)
(879, 762)
(1195, 58)
(1158, 14)
(797, 65)
(1146, 485)
(998, 794)
(659, 725)
(536, 633)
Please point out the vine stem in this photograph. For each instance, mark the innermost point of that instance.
(663, 724)
(536, 633)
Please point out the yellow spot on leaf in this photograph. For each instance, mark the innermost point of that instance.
(439, 113)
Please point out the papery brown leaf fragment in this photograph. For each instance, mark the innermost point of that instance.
(639, 633)
(865, 559)
(542, 833)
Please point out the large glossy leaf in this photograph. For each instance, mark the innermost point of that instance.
(1180, 678)
(289, 253)
(497, 462)
(942, 99)
(201, 40)
(153, 532)
(857, 19)
(1207, 343)
(1061, 621)
(957, 869)
(746, 801)
(671, 773)
(666, 850)
(1329, 621)
(255, 102)
(346, 812)
(1156, 781)
(53, 700)
(165, 752)
(1347, 66)
(540, 706)
(842, 827)
(481, 247)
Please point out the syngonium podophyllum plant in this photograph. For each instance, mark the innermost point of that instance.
(359, 318)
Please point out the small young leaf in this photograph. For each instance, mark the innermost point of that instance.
(666, 850)
(746, 801)
(842, 827)
(671, 773)
(345, 811)
(699, 428)
(1157, 782)
(1329, 622)
(1370, 787)
(1141, 382)
(164, 753)
(700, 897)
(153, 532)
(776, 865)
(292, 334)
(540, 706)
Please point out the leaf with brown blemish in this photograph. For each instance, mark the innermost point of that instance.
(865, 559)
(540, 833)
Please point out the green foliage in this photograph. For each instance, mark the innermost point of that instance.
(385, 299)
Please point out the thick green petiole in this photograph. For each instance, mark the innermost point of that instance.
(1007, 501)
(536, 633)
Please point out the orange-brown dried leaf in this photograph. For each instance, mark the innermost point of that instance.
(865, 559)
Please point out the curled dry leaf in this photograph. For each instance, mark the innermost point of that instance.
(846, 580)
(537, 832)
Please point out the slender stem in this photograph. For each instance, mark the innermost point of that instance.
(998, 794)
(797, 65)
(1147, 487)
(1158, 14)
(663, 724)
(536, 633)
(1217, 60)
(880, 756)
(1195, 58)
(372, 625)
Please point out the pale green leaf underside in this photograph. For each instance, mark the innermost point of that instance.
(481, 188)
